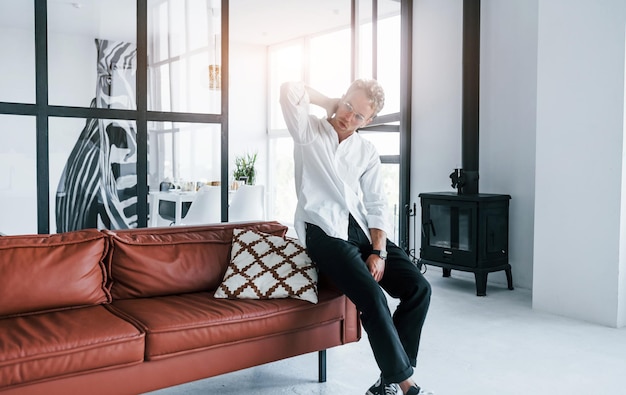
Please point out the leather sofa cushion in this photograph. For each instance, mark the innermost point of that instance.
(182, 324)
(60, 343)
(45, 272)
(173, 260)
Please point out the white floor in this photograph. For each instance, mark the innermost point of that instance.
(493, 345)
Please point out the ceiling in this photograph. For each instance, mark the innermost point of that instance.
(272, 21)
(261, 22)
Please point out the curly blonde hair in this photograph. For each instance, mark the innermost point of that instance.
(373, 90)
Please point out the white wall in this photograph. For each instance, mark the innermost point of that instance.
(436, 103)
(508, 98)
(17, 80)
(580, 125)
(72, 69)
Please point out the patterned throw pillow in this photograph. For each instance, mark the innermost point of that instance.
(263, 266)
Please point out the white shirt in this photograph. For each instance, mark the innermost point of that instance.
(333, 180)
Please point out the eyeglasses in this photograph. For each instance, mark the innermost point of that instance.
(360, 118)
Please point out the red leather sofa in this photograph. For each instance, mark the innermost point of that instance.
(126, 312)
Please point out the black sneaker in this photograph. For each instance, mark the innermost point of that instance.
(418, 391)
(381, 388)
(414, 391)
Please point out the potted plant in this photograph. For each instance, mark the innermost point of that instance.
(244, 168)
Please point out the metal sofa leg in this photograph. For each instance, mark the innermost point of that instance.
(322, 366)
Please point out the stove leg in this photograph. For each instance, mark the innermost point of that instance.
(481, 284)
(447, 272)
(509, 278)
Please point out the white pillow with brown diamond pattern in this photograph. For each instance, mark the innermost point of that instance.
(263, 266)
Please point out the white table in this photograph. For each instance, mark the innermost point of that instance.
(177, 197)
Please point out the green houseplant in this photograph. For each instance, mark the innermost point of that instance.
(244, 168)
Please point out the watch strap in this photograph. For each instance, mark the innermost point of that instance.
(381, 253)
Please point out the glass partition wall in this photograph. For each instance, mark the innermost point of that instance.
(18, 174)
(18, 125)
(184, 78)
(101, 101)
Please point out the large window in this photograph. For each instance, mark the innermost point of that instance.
(287, 63)
(329, 69)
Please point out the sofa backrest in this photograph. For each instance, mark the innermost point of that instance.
(48, 272)
(163, 261)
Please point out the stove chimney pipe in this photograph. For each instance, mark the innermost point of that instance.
(466, 179)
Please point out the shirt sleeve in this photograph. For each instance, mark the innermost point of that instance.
(295, 103)
(374, 198)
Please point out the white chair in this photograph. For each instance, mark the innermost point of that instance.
(248, 204)
(205, 208)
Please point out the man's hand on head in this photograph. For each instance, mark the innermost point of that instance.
(319, 99)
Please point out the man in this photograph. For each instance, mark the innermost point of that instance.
(340, 217)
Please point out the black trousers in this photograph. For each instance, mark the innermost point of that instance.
(394, 338)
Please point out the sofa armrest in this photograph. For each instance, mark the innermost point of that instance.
(352, 321)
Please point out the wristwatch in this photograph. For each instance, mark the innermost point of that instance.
(381, 253)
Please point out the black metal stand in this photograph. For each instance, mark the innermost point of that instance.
(322, 366)
(480, 275)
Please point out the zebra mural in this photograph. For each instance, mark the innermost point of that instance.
(98, 186)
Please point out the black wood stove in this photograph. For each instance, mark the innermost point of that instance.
(467, 233)
(467, 230)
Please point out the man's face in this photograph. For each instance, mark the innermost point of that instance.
(354, 111)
